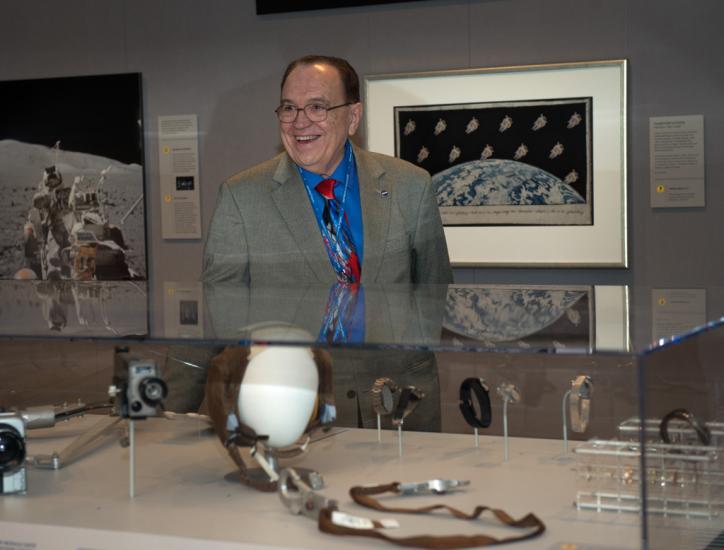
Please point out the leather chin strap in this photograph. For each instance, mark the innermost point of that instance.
(361, 495)
(222, 392)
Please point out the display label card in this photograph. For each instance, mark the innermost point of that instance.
(676, 311)
(178, 150)
(612, 318)
(676, 152)
(183, 310)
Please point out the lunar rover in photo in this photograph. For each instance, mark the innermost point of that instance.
(67, 234)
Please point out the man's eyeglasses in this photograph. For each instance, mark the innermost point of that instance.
(316, 112)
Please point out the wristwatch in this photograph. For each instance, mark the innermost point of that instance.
(479, 389)
(702, 432)
(383, 398)
(509, 392)
(580, 402)
(409, 398)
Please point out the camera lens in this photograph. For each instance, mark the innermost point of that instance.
(153, 390)
(12, 448)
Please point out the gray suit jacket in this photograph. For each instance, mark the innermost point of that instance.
(264, 230)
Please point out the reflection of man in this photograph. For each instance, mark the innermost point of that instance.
(380, 216)
(394, 315)
(56, 296)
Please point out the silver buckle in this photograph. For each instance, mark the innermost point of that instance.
(435, 486)
(299, 497)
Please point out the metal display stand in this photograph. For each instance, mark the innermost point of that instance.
(84, 443)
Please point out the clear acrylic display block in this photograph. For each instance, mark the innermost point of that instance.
(680, 479)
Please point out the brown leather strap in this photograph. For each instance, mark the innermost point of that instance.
(264, 485)
(361, 495)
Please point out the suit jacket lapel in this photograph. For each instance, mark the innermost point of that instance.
(291, 199)
(375, 213)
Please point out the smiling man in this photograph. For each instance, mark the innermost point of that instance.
(324, 210)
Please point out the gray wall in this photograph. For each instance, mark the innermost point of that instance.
(218, 59)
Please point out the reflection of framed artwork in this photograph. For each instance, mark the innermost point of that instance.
(72, 174)
(531, 319)
(83, 309)
(574, 319)
(529, 163)
(183, 310)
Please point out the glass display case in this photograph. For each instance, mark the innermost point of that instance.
(535, 395)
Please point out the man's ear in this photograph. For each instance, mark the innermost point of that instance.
(355, 117)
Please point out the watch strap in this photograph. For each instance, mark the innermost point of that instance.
(362, 496)
(409, 398)
(702, 432)
(580, 402)
(475, 387)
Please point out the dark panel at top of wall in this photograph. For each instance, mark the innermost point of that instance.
(280, 6)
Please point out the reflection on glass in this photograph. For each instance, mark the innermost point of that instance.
(520, 317)
(73, 308)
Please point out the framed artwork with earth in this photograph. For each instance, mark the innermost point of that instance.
(71, 171)
(518, 162)
(528, 163)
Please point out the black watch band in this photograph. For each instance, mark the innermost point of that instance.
(702, 432)
(478, 388)
(409, 398)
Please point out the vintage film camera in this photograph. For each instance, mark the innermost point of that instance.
(137, 387)
(12, 453)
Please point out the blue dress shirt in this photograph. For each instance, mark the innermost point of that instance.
(352, 205)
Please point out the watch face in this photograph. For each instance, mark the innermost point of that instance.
(582, 385)
(388, 401)
(509, 392)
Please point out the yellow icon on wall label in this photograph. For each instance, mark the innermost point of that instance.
(660, 188)
(662, 301)
(167, 198)
(166, 150)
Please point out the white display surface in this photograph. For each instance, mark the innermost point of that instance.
(182, 496)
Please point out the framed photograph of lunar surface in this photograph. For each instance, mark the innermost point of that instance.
(71, 173)
(528, 163)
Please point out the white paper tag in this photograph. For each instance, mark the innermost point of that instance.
(390, 523)
(356, 522)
